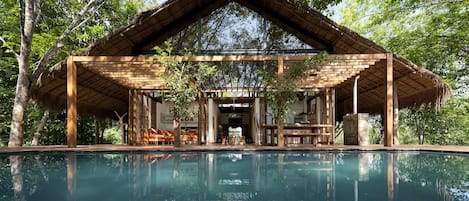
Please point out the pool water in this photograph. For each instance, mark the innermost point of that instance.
(264, 175)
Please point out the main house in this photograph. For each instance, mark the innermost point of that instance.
(114, 75)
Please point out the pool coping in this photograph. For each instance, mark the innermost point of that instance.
(214, 148)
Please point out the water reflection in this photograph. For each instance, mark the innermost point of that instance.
(71, 176)
(16, 168)
(235, 176)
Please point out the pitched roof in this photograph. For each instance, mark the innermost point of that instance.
(415, 85)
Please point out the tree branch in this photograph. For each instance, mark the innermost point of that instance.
(27, 30)
(9, 48)
(41, 67)
(21, 16)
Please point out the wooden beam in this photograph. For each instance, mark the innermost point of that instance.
(128, 70)
(71, 103)
(338, 62)
(389, 109)
(221, 58)
(340, 67)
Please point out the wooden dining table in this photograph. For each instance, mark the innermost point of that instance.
(301, 131)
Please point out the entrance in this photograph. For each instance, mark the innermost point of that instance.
(234, 120)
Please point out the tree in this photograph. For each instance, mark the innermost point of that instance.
(183, 80)
(28, 13)
(433, 35)
(40, 128)
(121, 126)
(44, 28)
(281, 89)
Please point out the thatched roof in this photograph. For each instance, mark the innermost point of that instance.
(101, 95)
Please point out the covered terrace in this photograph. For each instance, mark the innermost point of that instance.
(113, 73)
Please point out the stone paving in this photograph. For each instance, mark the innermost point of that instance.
(122, 148)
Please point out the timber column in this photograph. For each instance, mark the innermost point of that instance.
(71, 103)
(389, 108)
(280, 138)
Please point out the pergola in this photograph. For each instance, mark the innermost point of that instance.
(100, 80)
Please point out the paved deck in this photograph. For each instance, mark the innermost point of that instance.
(123, 148)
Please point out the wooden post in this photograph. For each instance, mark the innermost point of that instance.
(211, 124)
(318, 110)
(71, 103)
(140, 117)
(257, 121)
(199, 119)
(388, 130)
(205, 123)
(328, 114)
(134, 123)
(154, 113)
(396, 117)
(130, 119)
(280, 140)
(333, 116)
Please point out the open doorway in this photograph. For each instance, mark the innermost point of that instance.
(234, 120)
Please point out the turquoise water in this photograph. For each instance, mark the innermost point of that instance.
(331, 176)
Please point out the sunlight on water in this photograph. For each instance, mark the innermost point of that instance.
(235, 176)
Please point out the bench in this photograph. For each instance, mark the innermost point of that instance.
(303, 131)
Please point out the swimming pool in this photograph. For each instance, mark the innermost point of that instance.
(266, 175)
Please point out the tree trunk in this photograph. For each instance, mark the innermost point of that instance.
(19, 110)
(97, 131)
(421, 139)
(177, 131)
(20, 103)
(16, 167)
(27, 24)
(121, 126)
(121, 130)
(40, 128)
(280, 139)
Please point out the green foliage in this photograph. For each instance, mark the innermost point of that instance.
(322, 5)
(375, 136)
(183, 80)
(53, 18)
(433, 35)
(282, 87)
(450, 125)
(111, 135)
